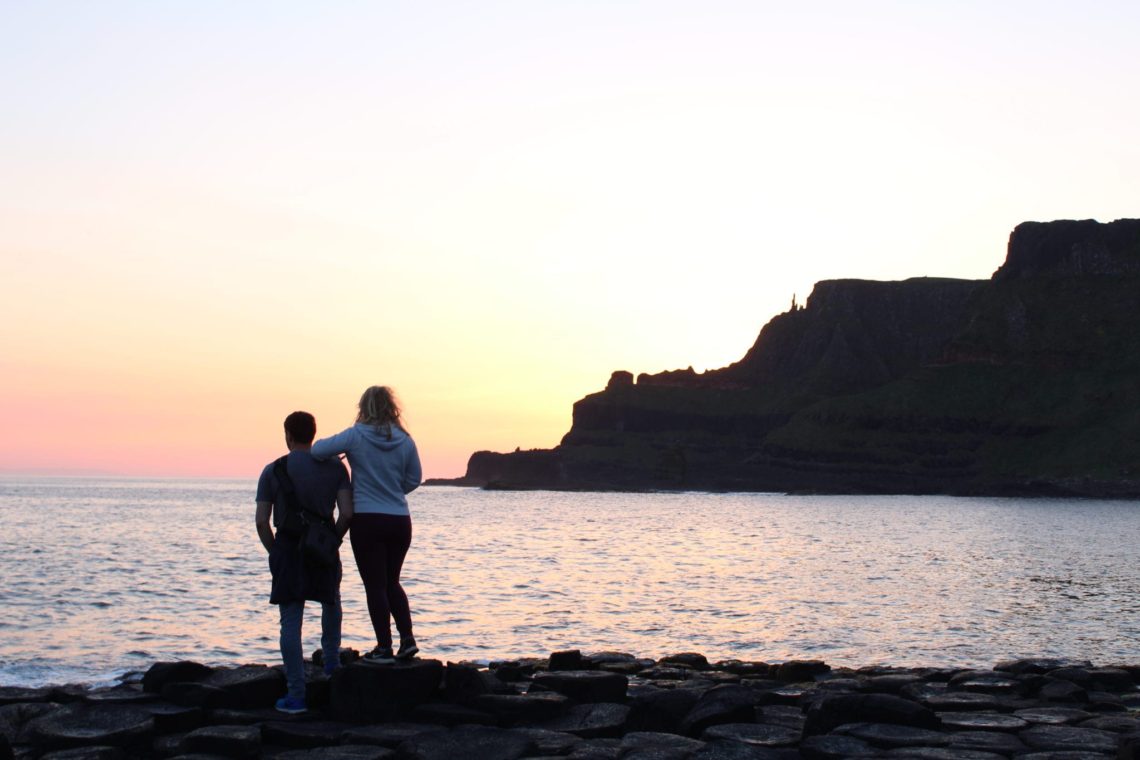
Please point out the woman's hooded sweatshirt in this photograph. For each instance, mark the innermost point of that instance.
(385, 466)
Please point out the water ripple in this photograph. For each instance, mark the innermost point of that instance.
(856, 580)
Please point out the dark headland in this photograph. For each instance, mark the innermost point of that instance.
(1023, 384)
(601, 706)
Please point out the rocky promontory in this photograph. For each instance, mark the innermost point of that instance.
(1023, 384)
(602, 706)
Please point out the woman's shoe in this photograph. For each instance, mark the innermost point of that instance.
(380, 656)
(408, 650)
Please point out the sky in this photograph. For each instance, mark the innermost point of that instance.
(215, 213)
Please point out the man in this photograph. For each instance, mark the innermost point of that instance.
(319, 486)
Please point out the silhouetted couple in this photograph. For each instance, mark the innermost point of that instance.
(372, 509)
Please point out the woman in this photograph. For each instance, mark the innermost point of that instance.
(385, 467)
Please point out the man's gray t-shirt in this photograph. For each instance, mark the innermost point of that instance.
(316, 483)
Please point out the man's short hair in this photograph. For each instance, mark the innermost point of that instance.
(302, 427)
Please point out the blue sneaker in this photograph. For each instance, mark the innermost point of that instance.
(291, 705)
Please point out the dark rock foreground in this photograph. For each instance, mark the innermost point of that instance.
(589, 707)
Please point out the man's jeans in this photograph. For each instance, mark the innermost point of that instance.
(292, 613)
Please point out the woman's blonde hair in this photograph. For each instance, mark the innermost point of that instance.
(378, 407)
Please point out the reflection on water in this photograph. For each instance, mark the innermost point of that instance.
(102, 576)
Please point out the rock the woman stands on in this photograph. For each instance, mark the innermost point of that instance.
(385, 467)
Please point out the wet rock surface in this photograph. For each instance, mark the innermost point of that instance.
(591, 707)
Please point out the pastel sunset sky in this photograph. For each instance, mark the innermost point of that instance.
(214, 213)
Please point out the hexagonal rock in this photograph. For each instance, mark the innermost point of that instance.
(982, 721)
(987, 741)
(795, 671)
(787, 695)
(590, 721)
(387, 734)
(570, 659)
(849, 685)
(230, 741)
(224, 716)
(835, 747)
(987, 682)
(1080, 676)
(85, 753)
(943, 753)
(721, 704)
(751, 669)
(522, 708)
(302, 734)
(720, 750)
(615, 658)
(341, 752)
(549, 742)
(656, 709)
(79, 724)
(11, 695)
(194, 694)
(1104, 701)
(781, 715)
(1058, 690)
(920, 692)
(756, 734)
(248, 686)
(170, 718)
(693, 660)
(596, 749)
(1120, 724)
(892, 683)
(966, 701)
(447, 714)
(1115, 680)
(463, 683)
(1039, 665)
(362, 693)
(1069, 738)
(834, 711)
(1053, 716)
(892, 736)
(467, 741)
(641, 740)
(16, 719)
(120, 695)
(584, 685)
(666, 673)
(162, 673)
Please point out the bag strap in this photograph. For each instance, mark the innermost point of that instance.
(289, 491)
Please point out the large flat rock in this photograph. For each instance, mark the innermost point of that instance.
(80, 724)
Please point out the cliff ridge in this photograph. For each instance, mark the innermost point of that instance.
(1021, 384)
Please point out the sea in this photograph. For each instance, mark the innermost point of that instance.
(104, 576)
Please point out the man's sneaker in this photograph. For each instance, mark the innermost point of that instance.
(291, 705)
(407, 651)
(380, 656)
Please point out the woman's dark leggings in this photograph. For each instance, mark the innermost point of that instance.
(379, 544)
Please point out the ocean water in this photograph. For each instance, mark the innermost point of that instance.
(105, 576)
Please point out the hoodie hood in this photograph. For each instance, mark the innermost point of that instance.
(384, 437)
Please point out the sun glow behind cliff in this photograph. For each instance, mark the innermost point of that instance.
(213, 217)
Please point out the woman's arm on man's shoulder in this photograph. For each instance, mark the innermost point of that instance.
(327, 448)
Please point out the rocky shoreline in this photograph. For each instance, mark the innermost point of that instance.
(589, 707)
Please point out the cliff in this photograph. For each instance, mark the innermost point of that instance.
(1022, 384)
